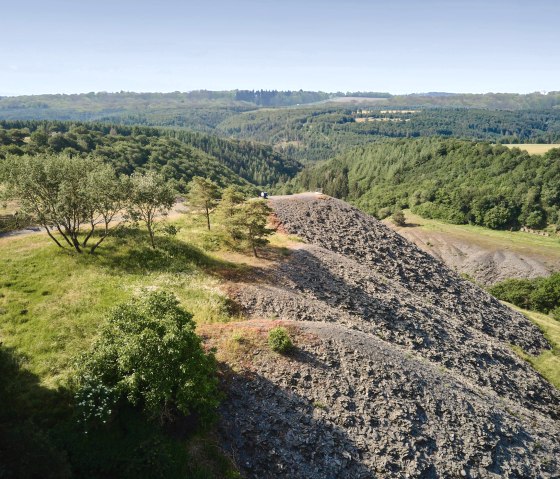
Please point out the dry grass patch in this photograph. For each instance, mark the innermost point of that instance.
(534, 148)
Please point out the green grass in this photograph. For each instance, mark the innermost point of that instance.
(53, 301)
(548, 362)
(513, 240)
(52, 304)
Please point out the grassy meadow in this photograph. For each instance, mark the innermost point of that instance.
(53, 302)
(499, 239)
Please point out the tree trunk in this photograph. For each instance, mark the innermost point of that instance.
(64, 236)
(52, 237)
(208, 217)
(151, 235)
(105, 234)
(76, 243)
(84, 243)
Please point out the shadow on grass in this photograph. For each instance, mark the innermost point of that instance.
(40, 437)
(27, 411)
(129, 251)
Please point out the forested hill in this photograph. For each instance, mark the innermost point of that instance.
(454, 180)
(309, 126)
(313, 133)
(179, 155)
(256, 162)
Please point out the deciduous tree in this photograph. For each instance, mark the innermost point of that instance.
(150, 196)
(65, 194)
(204, 194)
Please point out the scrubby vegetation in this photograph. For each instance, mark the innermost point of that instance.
(149, 356)
(539, 294)
(453, 180)
(145, 358)
(279, 340)
(548, 362)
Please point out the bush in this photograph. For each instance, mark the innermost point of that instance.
(148, 355)
(279, 340)
(538, 294)
(399, 218)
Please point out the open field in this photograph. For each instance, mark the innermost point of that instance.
(486, 255)
(52, 301)
(536, 148)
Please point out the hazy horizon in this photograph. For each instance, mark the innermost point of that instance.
(400, 47)
(426, 93)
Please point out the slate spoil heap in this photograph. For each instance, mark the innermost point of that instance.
(402, 369)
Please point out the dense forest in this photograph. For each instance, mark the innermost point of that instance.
(309, 126)
(455, 180)
(178, 155)
(315, 134)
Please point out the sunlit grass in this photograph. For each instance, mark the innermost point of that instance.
(548, 362)
(512, 240)
(534, 148)
(52, 302)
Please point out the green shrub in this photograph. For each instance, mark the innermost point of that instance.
(538, 294)
(148, 355)
(279, 340)
(399, 218)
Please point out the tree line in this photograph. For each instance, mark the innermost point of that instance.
(320, 133)
(178, 155)
(453, 180)
(77, 200)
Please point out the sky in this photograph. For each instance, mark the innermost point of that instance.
(396, 46)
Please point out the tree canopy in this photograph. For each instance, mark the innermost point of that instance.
(453, 180)
(148, 355)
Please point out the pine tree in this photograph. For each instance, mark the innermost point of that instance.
(249, 224)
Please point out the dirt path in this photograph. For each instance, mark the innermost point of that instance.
(176, 211)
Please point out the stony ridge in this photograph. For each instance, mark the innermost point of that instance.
(341, 228)
(347, 405)
(411, 364)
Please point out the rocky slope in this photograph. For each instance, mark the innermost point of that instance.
(402, 368)
(487, 262)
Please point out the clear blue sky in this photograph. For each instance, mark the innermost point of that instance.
(400, 46)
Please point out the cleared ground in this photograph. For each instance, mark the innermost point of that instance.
(383, 333)
(488, 256)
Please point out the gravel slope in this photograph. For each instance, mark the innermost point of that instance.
(485, 262)
(409, 363)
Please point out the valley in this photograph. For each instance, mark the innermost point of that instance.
(487, 256)
(398, 362)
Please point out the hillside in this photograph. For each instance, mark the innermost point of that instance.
(453, 180)
(324, 131)
(484, 255)
(180, 155)
(401, 367)
(309, 126)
